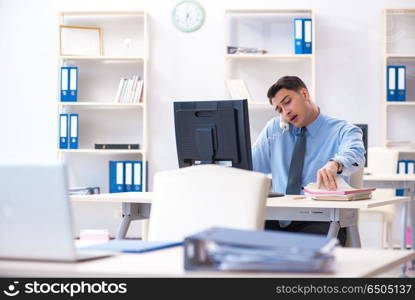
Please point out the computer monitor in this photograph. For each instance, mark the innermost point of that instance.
(364, 128)
(213, 132)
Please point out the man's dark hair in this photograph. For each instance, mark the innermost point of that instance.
(292, 83)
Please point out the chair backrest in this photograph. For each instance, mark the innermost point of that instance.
(192, 199)
(383, 161)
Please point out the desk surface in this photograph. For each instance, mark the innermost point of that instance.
(389, 177)
(350, 262)
(287, 201)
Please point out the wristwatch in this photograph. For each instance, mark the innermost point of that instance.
(339, 166)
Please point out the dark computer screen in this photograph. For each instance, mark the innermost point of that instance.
(213, 132)
(364, 128)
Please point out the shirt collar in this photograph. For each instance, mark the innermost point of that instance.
(312, 128)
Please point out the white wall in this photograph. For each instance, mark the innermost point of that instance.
(183, 66)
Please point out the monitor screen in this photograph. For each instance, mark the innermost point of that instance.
(213, 132)
(364, 128)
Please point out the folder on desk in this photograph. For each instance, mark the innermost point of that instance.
(128, 167)
(63, 131)
(73, 136)
(391, 83)
(116, 177)
(137, 176)
(298, 36)
(402, 168)
(226, 249)
(131, 246)
(401, 83)
(307, 36)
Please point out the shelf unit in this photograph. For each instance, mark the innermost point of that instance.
(125, 42)
(271, 30)
(398, 49)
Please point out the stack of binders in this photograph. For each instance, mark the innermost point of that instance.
(302, 36)
(125, 176)
(396, 83)
(226, 249)
(69, 84)
(404, 167)
(68, 131)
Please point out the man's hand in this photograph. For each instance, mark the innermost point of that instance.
(326, 176)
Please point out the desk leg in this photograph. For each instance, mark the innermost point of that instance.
(333, 229)
(354, 236)
(123, 227)
(131, 212)
(404, 224)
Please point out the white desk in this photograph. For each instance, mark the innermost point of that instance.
(350, 262)
(136, 206)
(398, 181)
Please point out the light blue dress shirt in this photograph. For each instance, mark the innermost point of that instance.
(326, 138)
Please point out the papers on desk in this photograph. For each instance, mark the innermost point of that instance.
(344, 192)
(132, 246)
(226, 249)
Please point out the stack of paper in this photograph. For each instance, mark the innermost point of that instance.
(344, 192)
(226, 249)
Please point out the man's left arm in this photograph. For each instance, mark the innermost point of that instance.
(351, 154)
(346, 161)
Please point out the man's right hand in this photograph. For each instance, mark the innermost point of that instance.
(326, 176)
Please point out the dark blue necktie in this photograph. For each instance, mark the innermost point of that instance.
(296, 166)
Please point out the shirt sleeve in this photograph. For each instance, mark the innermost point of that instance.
(351, 150)
(261, 155)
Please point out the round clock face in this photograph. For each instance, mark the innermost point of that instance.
(188, 16)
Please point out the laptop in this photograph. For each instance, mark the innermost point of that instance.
(35, 214)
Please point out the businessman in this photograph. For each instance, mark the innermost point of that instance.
(312, 147)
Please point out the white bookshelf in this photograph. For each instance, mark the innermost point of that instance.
(102, 104)
(271, 30)
(100, 58)
(125, 42)
(103, 151)
(399, 49)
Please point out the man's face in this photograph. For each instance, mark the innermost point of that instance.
(293, 106)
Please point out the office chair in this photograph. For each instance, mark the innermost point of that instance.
(192, 199)
(376, 223)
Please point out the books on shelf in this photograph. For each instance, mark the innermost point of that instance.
(125, 176)
(129, 90)
(396, 83)
(344, 192)
(303, 36)
(68, 131)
